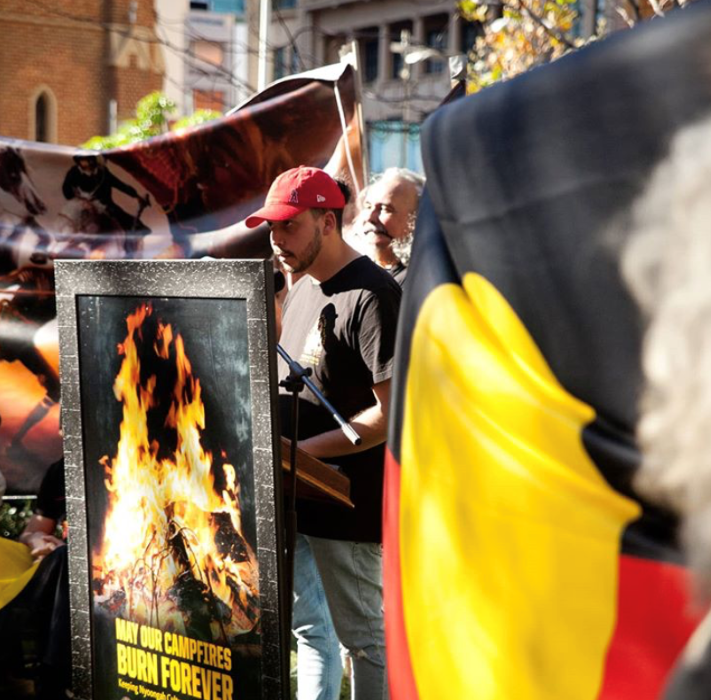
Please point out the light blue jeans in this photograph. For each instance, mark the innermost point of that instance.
(350, 575)
(319, 669)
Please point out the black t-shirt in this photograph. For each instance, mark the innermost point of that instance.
(344, 329)
(398, 271)
(51, 502)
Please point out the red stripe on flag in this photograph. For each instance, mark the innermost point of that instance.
(400, 675)
(655, 620)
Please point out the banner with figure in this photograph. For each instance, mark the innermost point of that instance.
(175, 196)
(520, 559)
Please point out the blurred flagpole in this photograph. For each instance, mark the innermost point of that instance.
(349, 55)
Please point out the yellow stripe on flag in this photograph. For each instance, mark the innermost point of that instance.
(509, 534)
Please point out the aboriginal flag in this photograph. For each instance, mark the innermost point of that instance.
(520, 564)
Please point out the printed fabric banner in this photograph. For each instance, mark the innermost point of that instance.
(180, 195)
(520, 562)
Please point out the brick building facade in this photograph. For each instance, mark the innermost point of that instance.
(71, 69)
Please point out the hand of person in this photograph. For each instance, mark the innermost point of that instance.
(41, 544)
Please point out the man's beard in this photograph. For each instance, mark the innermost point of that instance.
(303, 263)
(402, 248)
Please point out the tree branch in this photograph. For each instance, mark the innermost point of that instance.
(551, 31)
(635, 6)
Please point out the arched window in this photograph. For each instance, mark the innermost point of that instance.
(42, 118)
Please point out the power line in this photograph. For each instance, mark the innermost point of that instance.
(246, 49)
(228, 74)
(200, 69)
(294, 47)
(234, 80)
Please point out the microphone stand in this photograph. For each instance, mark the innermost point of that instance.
(294, 383)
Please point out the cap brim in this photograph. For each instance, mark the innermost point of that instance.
(273, 212)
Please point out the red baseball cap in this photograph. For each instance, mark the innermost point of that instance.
(295, 191)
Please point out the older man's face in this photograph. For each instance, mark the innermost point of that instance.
(387, 212)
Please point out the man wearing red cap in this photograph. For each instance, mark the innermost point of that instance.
(339, 319)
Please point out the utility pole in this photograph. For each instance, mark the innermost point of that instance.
(264, 21)
(404, 47)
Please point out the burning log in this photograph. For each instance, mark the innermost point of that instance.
(181, 559)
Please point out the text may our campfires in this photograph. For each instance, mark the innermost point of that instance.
(170, 661)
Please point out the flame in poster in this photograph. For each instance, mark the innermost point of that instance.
(173, 553)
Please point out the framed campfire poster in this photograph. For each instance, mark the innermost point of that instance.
(173, 485)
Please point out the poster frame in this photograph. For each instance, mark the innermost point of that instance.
(249, 280)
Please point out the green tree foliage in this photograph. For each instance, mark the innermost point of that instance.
(520, 34)
(152, 118)
(13, 517)
(523, 34)
(198, 117)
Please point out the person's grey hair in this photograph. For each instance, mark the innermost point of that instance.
(667, 264)
(408, 176)
(396, 174)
